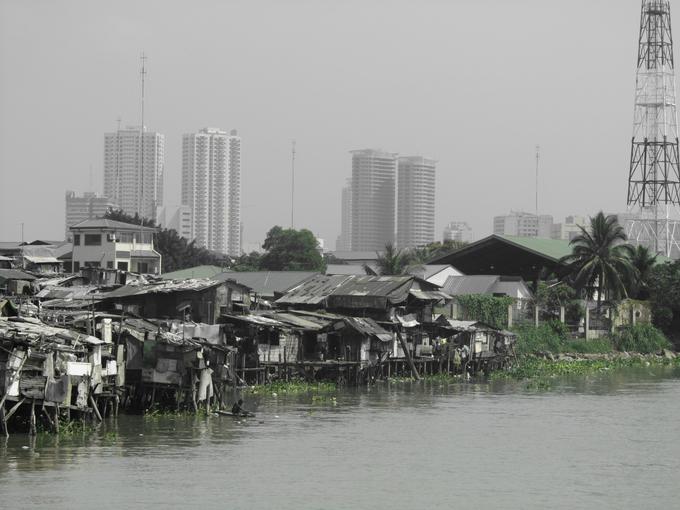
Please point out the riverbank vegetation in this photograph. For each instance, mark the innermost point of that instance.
(295, 387)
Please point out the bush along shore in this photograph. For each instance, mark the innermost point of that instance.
(546, 353)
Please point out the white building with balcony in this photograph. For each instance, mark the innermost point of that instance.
(114, 245)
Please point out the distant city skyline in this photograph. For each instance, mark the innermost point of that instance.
(482, 129)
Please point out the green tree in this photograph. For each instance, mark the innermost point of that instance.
(247, 262)
(176, 252)
(291, 250)
(600, 259)
(643, 260)
(391, 261)
(664, 291)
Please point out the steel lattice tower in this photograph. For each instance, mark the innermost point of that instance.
(654, 178)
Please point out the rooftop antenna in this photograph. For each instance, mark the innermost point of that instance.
(292, 187)
(141, 143)
(91, 187)
(538, 156)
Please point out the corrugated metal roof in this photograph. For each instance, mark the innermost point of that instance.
(268, 283)
(350, 291)
(163, 287)
(205, 271)
(551, 248)
(469, 284)
(41, 260)
(429, 295)
(347, 269)
(15, 274)
(313, 291)
(369, 327)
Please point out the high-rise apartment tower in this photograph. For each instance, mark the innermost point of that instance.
(134, 162)
(211, 188)
(373, 199)
(415, 201)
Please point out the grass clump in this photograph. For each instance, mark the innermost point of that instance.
(642, 338)
(295, 387)
(554, 337)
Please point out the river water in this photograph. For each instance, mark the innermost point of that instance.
(605, 441)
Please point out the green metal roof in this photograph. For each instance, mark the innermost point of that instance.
(194, 272)
(552, 248)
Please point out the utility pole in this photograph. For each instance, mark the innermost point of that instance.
(538, 152)
(141, 144)
(292, 186)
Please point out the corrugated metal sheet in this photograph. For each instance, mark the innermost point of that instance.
(313, 291)
(429, 295)
(15, 274)
(161, 288)
(469, 284)
(268, 283)
(369, 327)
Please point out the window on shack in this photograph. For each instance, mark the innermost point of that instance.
(76, 239)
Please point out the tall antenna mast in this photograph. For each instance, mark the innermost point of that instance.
(538, 156)
(654, 173)
(141, 143)
(292, 186)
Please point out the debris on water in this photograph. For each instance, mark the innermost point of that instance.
(276, 416)
(140, 435)
(24, 447)
(274, 394)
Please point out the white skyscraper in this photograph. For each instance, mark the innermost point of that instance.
(415, 201)
(133, 170)
(373, 198)
(211, 188)
(523, 224)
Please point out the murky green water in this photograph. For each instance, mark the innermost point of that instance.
(606, 441)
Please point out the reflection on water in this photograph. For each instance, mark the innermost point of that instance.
(606, 440)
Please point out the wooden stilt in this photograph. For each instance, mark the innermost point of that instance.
(3, 421)
(33, 430)
(95, 408)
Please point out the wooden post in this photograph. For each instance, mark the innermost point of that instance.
(587, 322)
(56, 417)
(404, 346)
(509, 316)
(536, 314)
(95, 408)
(33, 431)
(3, 423)
(562, 314)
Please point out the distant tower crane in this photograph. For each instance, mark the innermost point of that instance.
(654, 176)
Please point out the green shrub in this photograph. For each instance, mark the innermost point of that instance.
(643, 338)
(594, 346)
(544, 338)
(492, 310)
(553, 337)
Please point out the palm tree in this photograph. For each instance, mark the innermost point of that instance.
(601, 258)
(643, 260)
(392, 261)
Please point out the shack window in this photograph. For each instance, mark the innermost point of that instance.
(93, 239)
(76, 239)
(109, 264)
(123, 266)
(76, 266)
(92, 263)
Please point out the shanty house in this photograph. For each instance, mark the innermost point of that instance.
(198, 300)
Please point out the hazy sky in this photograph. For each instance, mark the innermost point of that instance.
(475, 84)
